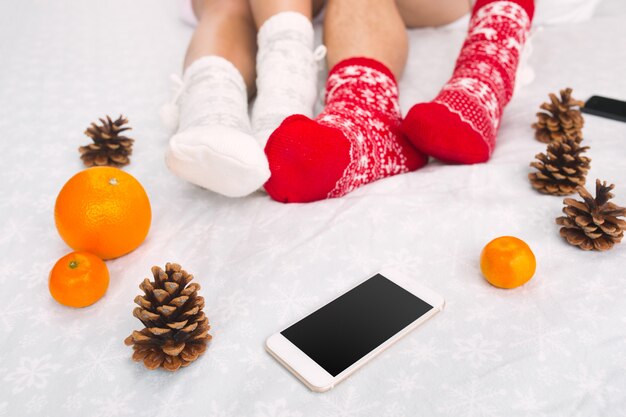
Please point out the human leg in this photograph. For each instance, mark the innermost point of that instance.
(431, 13)
(286, 68)
(225, 28)
(461, 123)
(356, 139)
(368, 28)
(214, 147)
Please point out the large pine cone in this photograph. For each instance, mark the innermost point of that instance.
(561, 169)
(561, 119)
(593, 223)
(109, 146)
(177, 331)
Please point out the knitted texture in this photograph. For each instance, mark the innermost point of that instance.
(461, 123)
(354, 141)
(214, 147)
(214, 93)
(286, 72)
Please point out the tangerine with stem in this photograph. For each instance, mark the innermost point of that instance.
(78, 279)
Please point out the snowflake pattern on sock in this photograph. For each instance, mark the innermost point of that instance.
(286, 72)
(362, 102)
(484, 75)
(213, 94)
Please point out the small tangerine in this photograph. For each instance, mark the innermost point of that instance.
(78, 279)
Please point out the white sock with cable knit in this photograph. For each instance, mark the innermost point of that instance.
(214, 147)
(286, 72)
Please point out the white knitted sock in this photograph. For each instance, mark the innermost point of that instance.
(214, 147)
(286, 72)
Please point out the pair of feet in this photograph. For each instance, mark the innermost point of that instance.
(360, 136)
(217, 145)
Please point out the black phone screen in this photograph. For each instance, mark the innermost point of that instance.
(349, 327)
(606, 107)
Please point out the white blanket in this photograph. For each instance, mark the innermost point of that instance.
(555, 347)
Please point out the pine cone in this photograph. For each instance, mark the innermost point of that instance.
(561, 169)
(561, 119)
(177, 331)
(109, 148)
(593, 223)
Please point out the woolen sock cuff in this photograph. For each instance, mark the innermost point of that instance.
(222, 77)
(527, 5)
(286, 21)
(365, 62)
(200, 64)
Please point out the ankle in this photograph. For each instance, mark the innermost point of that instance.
(220, 9)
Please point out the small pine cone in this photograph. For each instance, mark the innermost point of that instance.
(109, 147)
(561, 119)
(176, 330)
(561, 169)
(593, 223)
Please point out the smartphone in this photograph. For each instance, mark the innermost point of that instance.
(331, 343)
(606, 107)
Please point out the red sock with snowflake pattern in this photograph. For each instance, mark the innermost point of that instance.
(461, 123)
(354, 141)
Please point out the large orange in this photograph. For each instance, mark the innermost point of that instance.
(507, 262)
(78, 279)
(103, 210)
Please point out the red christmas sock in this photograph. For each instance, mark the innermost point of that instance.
(461, 123)
(354, 141)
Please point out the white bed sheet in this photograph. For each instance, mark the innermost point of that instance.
(555, 347)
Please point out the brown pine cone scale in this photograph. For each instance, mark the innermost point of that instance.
(176, 329)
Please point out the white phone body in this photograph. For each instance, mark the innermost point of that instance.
(317, 378)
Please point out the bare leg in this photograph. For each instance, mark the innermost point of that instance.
(425, 13)
(366, 28)
(213, 146)
(225, 28)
